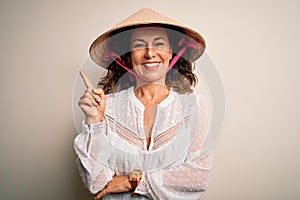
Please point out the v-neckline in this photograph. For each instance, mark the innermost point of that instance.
(141, 106)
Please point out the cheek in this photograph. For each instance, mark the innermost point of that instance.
(168, 56)
(135, 57)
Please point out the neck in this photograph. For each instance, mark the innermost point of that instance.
(151, 93)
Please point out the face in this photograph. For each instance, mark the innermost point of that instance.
(150, 53)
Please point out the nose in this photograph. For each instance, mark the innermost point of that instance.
(150, 52)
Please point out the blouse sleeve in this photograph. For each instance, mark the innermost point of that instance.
(95, 174)
(189, 179)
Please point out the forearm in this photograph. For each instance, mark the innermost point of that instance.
(187, 179)
(95, 173)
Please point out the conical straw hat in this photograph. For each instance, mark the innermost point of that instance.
(144, 16)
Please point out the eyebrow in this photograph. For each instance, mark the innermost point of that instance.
(142, 40)
(159, 38)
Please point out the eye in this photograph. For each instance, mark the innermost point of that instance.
(160, 43)
(138, 45)
(157, 44)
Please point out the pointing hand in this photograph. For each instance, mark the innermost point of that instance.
(92, 102)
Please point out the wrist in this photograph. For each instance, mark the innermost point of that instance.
(134, 178)
(93, 120)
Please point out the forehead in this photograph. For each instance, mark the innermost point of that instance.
(143, 32)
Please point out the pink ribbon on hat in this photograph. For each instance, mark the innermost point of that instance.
(110, 55)
(185, 43)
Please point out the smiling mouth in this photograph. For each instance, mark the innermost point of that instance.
(151, 66)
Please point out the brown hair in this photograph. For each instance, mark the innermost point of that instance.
(180, 78)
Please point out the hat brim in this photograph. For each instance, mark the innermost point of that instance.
(144, 17)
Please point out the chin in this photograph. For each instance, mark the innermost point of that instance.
(152, 80)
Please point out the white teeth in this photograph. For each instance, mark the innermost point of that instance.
(150, 64)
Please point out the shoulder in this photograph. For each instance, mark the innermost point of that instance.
(189, 98)
(118, 102)
(189, 102)
(119, 95)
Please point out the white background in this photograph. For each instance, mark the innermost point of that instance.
(254, 44)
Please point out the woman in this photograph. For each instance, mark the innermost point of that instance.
(145, 127)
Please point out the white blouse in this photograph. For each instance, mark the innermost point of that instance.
(174, 166)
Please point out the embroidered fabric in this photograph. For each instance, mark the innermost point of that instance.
(174, 166)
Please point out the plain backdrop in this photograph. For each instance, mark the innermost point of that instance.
(253, 43)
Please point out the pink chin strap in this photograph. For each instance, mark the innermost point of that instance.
(110, 55)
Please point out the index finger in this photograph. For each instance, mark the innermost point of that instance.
(86, 80)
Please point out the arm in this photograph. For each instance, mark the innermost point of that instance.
(95, 174)
(187, 181)
(91, 147)
(90, 143)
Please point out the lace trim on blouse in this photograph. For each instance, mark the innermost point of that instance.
(166, 136)
(130, 137)
(125, 133)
